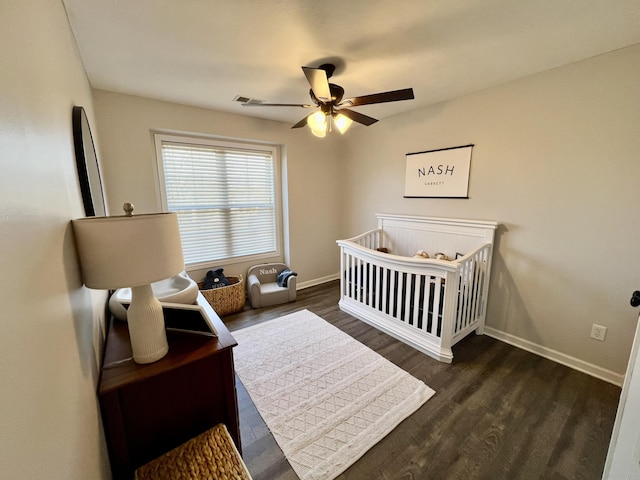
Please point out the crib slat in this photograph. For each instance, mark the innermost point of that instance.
(400, 295)
(473, 300)
(393, 293)
(371, 284)
(360, 283)
(408, 293)
(476, 291)
(342, 276)
(427, 325)
(480, 287)
(460, 300)
(420, 285)
(437, 312)
(466, 293)
(366, 286)
(353, 271)
(417, 320)
(345, 272)
(384, 281)
(378, 287)
(365, 281)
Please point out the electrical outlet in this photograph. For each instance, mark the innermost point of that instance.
(598, 332)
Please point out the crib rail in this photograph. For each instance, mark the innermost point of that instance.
(371, 239)
(429, 304)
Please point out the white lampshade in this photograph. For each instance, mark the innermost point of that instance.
(128, 251)
(133, 251)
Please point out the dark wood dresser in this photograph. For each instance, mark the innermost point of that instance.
(150, 409)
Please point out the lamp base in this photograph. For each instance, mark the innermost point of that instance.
(146, 326)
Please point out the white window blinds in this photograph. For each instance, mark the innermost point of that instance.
(224, 197)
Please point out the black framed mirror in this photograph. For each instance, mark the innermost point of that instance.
(87, 164)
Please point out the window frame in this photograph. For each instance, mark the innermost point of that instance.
(224, 143)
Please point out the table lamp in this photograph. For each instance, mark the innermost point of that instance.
(133, 251)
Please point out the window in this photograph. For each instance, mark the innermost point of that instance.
(225, 195)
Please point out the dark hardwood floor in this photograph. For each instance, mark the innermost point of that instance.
(499, 412)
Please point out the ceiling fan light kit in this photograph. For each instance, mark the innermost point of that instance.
(328, 97)
(320, 123)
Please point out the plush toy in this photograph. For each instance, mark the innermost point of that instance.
(421, 254)
(215, 279)
(441, 256)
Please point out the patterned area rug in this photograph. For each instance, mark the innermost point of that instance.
(326, 397)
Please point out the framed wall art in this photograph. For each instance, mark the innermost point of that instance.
(440, 173)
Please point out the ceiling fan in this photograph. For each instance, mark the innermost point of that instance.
(328, 97)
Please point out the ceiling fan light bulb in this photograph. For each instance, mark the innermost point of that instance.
(317, 120)
(318, 124)
(321, 133)
(342, 122)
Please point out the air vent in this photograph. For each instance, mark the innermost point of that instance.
(241, 99)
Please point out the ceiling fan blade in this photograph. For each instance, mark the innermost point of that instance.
(357, 117)
(302, 122)
(303, 105)
(383, 97)
(319, 82)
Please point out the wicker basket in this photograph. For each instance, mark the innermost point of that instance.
(226, 300)
(211, 454)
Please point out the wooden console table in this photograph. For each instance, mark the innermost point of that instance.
(150, 409)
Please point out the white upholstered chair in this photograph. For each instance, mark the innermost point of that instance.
(263, 288)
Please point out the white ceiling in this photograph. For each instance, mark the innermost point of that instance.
(205, 52)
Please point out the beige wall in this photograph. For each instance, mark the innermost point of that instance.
(313, 171)
(556, 161)
(49, 417)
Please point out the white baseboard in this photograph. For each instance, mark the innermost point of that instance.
(563, 359)
(317, 281)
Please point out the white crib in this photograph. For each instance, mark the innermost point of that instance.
(413, 299)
